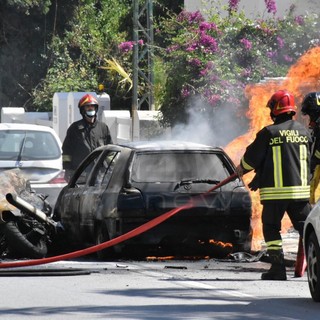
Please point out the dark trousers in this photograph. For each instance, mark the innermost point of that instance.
(273, 212)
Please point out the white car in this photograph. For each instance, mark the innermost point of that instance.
(36, 151)
(311, 239)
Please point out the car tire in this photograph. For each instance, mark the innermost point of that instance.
(20, 246)
(313, 266)
(102, 235)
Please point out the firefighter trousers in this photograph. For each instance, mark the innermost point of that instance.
(273, 212)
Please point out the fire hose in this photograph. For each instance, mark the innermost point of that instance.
(135, 232)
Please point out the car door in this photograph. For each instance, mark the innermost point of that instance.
(71, 196)
(90, 198)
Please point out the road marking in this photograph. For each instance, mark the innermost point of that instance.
(183, 282)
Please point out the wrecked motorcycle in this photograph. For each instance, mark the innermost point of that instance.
(27, 227)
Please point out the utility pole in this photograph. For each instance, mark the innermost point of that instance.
(142, 60)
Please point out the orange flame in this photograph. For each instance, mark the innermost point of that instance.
(220, 243)
(303, 77)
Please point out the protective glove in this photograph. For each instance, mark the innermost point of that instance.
(254, 184)
(314, 184)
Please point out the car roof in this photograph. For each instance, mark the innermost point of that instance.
(25, 126)
(167, 145)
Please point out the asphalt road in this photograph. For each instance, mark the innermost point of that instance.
(150, 290)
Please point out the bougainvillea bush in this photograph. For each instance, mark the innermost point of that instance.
(212, 59)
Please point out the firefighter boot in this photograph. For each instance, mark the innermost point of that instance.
(278, 268)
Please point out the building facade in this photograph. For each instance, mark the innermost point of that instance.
(257, 7)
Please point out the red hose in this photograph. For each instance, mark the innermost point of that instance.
(143, 228)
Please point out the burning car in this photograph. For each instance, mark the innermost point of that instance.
(120, 187)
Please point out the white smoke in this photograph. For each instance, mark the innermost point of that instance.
(215, 128)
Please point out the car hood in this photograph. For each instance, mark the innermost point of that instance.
(161, 197)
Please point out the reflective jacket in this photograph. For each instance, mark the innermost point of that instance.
(315, 166)
(315, 156)
(280, 155)
(81, 139)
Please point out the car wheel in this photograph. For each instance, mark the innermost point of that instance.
(102, 235)
(21, 245)
(313, 266)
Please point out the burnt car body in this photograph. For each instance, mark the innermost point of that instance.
(120, 187)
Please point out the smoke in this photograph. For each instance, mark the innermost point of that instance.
(208, 125)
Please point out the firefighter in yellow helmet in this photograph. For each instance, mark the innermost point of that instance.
(83, 136)
(280, 156)
(311, 106)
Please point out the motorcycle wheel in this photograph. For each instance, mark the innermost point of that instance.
(19, 244)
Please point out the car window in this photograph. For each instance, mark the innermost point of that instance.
(82, 178)
(174, 166)
(28, 145)
(105, 169)
(83, 172)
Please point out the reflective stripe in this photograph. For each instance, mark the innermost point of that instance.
(293, 192)
(245, 165)
(303, 165)
(277, 165)
(274, 245)
(66, 158)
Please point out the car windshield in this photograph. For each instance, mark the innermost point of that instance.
(28, 145)
(177, 166)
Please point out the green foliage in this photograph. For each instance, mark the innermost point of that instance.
(26, 6)
(51, 46)
(93, 35)
(214, 59)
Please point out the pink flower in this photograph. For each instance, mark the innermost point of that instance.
(246, 73)
(280, 42)
(126, 46)
(172, 48)
(210, 65)
(213, 99)
(233, 5)
(271, 6)
(192, 47)
(246, 43)
(287, 58)
(185, 92)
(196, 17)
(195, 62)
(208, 42)
(299, 20)
(272, 55)
(207, 26)
(204, 72)
(190, 17)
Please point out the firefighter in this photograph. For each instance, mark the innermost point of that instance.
(280, 156)
(311, 106)
(83, 136)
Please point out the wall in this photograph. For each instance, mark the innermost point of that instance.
(254, 8)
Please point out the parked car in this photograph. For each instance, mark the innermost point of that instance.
(311, 238)
(36, 151)
(120, 187)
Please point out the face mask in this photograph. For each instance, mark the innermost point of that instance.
(90, 113)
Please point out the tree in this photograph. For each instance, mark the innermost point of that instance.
(212, 60)
(26, 29)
